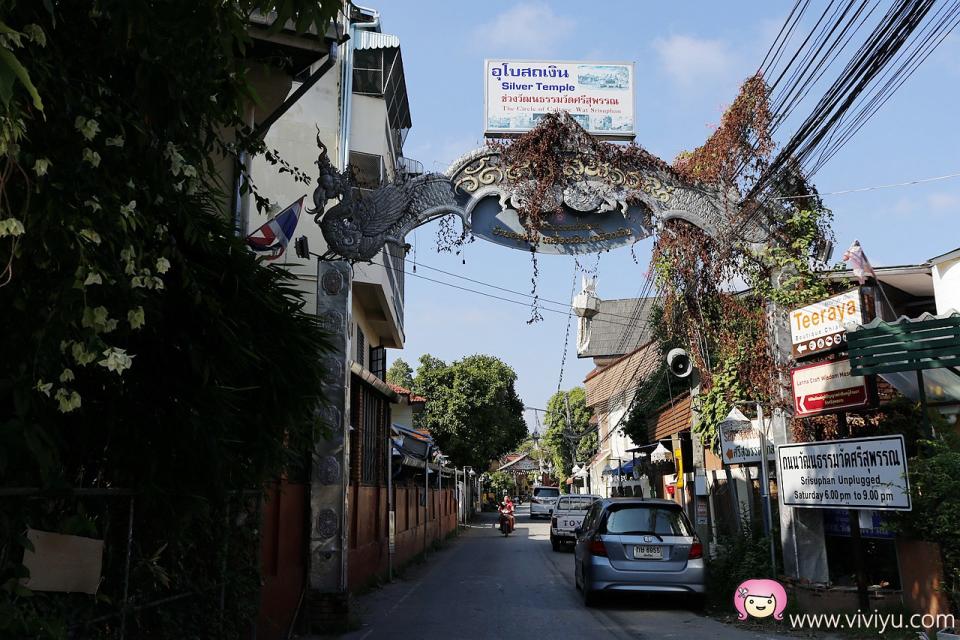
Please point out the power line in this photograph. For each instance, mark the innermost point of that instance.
(565, 311)
(482, 293)
(873, 188)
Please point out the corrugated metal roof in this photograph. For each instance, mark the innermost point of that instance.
(372, 40)
(608, 334)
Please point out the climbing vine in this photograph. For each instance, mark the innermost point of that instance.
(725, 330)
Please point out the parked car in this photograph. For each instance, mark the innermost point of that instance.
(541, 504)
(567, 516)
(636, 544)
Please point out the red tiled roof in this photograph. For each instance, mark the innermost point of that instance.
(403, 391)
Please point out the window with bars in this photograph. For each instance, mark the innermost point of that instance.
(374, 436)
(378, 362)
(361, 348)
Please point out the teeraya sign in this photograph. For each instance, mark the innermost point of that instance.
(740, 440)
(818, 327)
(598, 95)
(859, 473)
(824, 387)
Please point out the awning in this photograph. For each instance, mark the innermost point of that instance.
(908, 344)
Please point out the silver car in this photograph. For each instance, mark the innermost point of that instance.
(633, 544)
(541, 504)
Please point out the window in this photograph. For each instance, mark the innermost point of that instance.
(591, 518)
(636, 520)
(378, 362)
(368, 169)
(374, 436)
(361, 348)
(574, 504)
(546, 492)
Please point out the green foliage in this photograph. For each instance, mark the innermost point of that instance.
(565, 442)
(143, 345)
(400, 373)
(473, 412)
(798, 283)
(741, 556)
(714, 405)
(935, 484)
(502, 482)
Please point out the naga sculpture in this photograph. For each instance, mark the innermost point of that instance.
(358, 226)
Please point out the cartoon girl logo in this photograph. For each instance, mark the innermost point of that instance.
(759, 598)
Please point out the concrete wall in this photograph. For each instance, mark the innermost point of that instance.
(283, 559)
(368, 559)
(921, 577)
(294, 137)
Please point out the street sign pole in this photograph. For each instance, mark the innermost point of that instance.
(765, 489)
(859, 565)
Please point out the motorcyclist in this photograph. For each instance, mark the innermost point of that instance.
(506, 510)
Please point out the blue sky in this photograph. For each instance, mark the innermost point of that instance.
(690, 59)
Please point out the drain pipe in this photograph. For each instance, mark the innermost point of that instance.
(346, 78)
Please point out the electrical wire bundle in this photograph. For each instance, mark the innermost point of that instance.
(899, 41)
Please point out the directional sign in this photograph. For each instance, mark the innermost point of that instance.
(740, 440)
(825, 387)
(819, 327)
(858, 473)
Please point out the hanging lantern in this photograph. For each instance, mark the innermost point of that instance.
(661, 459)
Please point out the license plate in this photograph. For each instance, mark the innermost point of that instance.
(648, 552)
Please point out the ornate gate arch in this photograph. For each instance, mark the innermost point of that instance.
(597, 204)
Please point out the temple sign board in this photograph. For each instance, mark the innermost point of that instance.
(597, 95)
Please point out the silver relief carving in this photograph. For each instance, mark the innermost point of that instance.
(357, 226)
(327, 523)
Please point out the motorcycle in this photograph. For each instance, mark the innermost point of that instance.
(505, 525)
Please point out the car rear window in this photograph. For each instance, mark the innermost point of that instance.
(546, 492)
(641, 519)
(574, 504)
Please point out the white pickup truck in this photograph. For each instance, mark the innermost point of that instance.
(568, 515)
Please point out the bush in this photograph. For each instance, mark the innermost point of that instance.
(740, 557)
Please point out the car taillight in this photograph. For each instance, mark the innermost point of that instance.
(597, 547)
(696, 551)
(553, 521)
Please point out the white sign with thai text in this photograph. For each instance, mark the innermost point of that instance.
(858, 473)
(598, 95)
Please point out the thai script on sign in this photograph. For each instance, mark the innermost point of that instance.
(572, 100)
(846, 460)
(550, 71)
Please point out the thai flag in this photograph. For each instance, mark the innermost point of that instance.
(274, 236)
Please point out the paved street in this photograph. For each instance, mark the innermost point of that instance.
(485, 586)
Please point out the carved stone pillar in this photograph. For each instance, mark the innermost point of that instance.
(330, 469)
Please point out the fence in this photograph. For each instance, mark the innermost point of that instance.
(163, 572)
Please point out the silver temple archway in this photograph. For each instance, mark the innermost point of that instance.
(601, 206)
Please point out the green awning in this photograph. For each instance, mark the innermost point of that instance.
(927, 342)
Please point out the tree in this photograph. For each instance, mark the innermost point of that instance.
(473, 411)
(502, 482)
(143, 346)
(568, 441)
(400, 374)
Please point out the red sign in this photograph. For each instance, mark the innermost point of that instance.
(825, 387)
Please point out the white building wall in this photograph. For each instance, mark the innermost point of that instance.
(294, 136)
(946, 285)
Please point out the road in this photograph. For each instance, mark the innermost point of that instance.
(483, 585)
